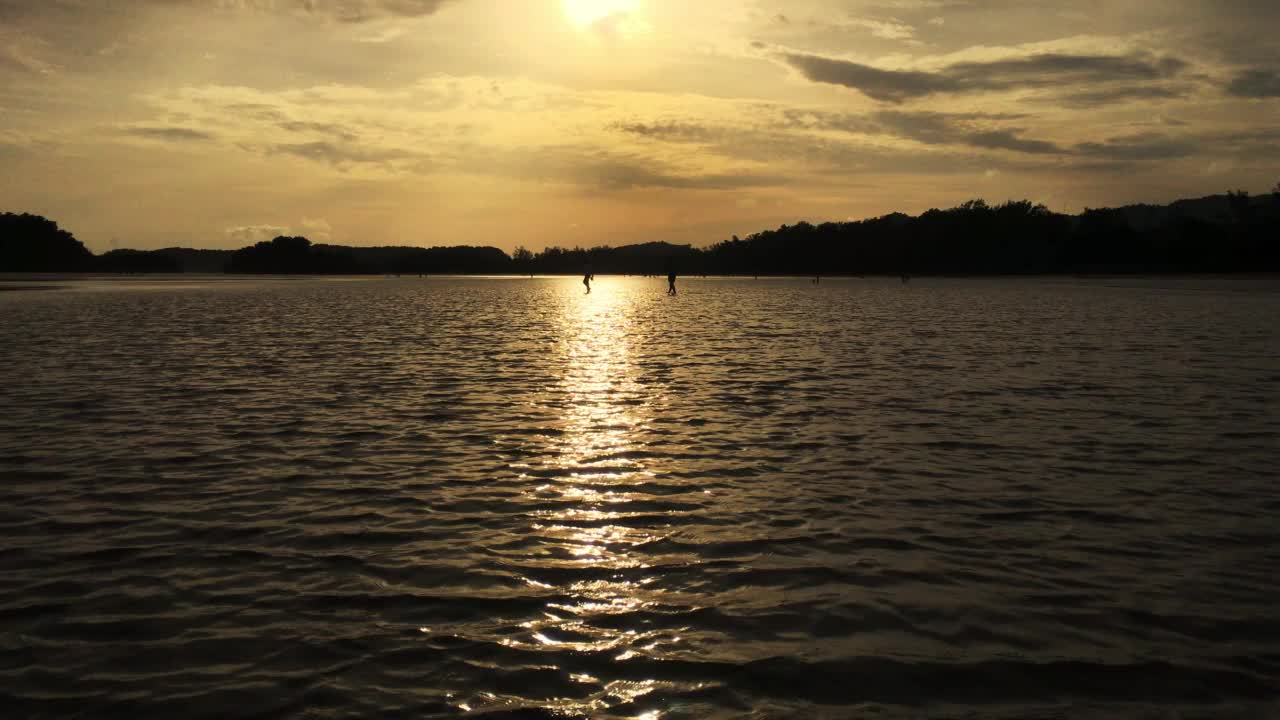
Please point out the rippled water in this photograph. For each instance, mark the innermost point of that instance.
(769, 499)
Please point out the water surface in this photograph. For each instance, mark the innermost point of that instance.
(760, 498)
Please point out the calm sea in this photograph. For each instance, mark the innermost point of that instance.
(434, 497)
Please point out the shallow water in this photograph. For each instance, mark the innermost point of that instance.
(768, 499)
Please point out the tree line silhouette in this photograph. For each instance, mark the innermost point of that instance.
(1222, 233)
(30, 243)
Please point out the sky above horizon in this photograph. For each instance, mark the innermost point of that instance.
(218, 123)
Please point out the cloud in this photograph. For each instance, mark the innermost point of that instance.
(670, 131)
(1009, 140)
(886, 85)
(21, 53)
(1118, 95)
(606, 170)
(172, 134)
(385, 35)
(978, 130)
(317, 229)
(342, 126)
(818, 143)
(891, 29)
(250, 234)
(1255, 83)
(620, 174)
(1049, 68)
(932, 128)
(1034, 71)
(354, 10)
(794, 125)
(1143, 146)
(12, 59)
(812, 119)
(322, 128)
(971, 129)
(1252, 144)
(340, 154)
(83, 14)
(836, 149)
(340, 10)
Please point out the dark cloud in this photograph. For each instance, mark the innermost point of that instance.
(1145, 146)
(1255, 84)
(608, 171)
(950, 133)
(1039, 70)
(341, 155)
(11, 10)
(887, 85)
(260, 111)
(1133, 152)
(971, 129)
(668, 131)
(1255, 144)
(837, 159)
(929, 128)
(361, 10)
(1036, 71)
(628, 175)
(978, 130)
(1114, 95)
(175, 134)
(1009, 140)
(823, 120)
(1234, 32)
(331, 129)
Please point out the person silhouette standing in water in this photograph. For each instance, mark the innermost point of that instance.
(671, 282)
(587, 277)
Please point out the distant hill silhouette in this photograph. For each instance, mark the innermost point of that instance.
(643, 259)
(294, 256)
(136, 261)
(1220, 233)
(428, 261)
(198, 261)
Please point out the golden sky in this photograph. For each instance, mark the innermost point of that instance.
(216, 123)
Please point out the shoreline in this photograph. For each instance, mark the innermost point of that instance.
(43, 277)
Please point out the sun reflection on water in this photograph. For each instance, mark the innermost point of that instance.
(594, 477)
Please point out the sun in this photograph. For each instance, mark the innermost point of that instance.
(585, 13)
